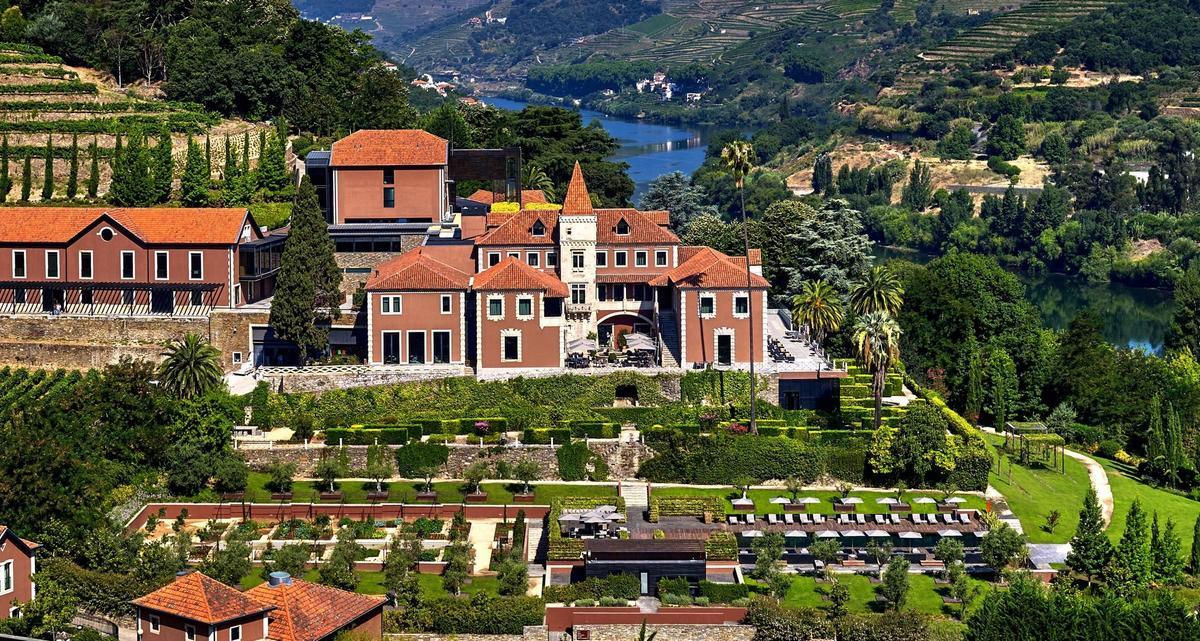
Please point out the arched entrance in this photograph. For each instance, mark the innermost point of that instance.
(610, 328)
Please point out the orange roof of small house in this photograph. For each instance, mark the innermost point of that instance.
(389, 148)
(643, 230)
(517, 228)
(488, 197)
(151, 225)
(306, 611)
(416, 271)
(197, 597)
(577, 201)
(511, 274)
(707, 268)
(5, 532)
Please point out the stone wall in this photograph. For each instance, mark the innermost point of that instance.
(82, 343)
(229, 332)
(673, 632)
(323, 379)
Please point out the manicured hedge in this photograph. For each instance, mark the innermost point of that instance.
(595, 430)
(416, 456)
(481, 614)
(721, 546)
(370, 434)
(620, 586)
(69, 87)
(561, 436)
(685, 506)
(724, 592)
(497, 424)
(717, 459)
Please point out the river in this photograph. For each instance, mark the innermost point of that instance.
(650, 149)
(1133, 317)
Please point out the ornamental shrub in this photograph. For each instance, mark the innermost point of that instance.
(572, 461)
(560, 436)
(682, 458)
(723, 592)
(678, 585)
(414, 458)
(481, 614)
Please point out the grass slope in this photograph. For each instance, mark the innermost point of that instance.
(1168, 504)
(1033, 493)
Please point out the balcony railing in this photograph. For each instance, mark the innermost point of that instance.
(579, 308)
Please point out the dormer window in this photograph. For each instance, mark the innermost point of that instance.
(539, 229)
(622, 228)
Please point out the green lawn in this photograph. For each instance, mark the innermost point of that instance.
(406, 492)
(1168, 504)
(763, 505)
(372, 583)
(1033, 493)
(924, 594)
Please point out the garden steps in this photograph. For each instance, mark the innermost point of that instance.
(668, 330)
(537, 551)
(637, 500)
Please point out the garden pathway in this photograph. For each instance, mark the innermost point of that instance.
(483, 533)
(1099, 479)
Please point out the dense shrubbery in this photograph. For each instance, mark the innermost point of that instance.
(723, 592)
(414, 459)
(621, 586)
(717, 459)
(721, 546)
(481, 614)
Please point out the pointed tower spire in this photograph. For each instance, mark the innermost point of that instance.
(577, 201)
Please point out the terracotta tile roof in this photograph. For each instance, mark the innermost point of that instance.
(389, 148)
(577, 201)
(415, 271)
(516, 229)
(30, 546)
(160, 225)
(628, 277)
(708, 268)
(488, 197)
(306, 611)
(511, 274)
(687, 251)
(199, 598)
(460, 255)
(659, 217)
(755, 256)
(642, 229)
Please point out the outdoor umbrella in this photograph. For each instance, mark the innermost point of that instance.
(910, 535)
(827, 534)
(949, 533)
(750, 534)
(795, 534)
(877, 534)
(780, 500)
(808, 500)
(887, 500)
(956, 500)
(742, 501)
(568, 517)
(638, 341)
(580, 345)
(851, 500)
(924, 499)
(850, 533)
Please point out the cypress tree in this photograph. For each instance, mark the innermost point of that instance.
(246, 152)
(1166, 552)
(26, 180)
(1002, 377)
(73, 175)
(164, 166)
(307, 291)
(272, 165)
(48, 178)
(93, 181)
(231, 166)
(1174, 441)
(5, 179)
(208, 153)
(1194, 562)
(133, 180)
(1090, 547)
(193, 186)
(974, 373)
(1132, 559)
(262, 145)
(918, 193)
(1155, 446)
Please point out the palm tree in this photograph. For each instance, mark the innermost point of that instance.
(877, 341)
(738, 157)
(879, 291)
(191, 367)
(536, 178)
(818, 307)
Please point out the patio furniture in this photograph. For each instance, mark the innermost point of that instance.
(950, 533)
(894, 518)
(771, 518)
(789, 519)
(964, 518)
(948, 519)
(803, 519)
(734, 520)
(861, 519)
(750, 519)
(843, 519)
(879, 519)
(752, 534)
(918, 518)
(818, 518)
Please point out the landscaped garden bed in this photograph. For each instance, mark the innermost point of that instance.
(301, 530)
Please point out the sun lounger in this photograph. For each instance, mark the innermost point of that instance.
(894, 518)
(964, 518)
(734, 520)
(948, 518)
(772, 519)
(750, 519)
(804, 520)
(818, 519)
(879, 519)
(918, 518)
(844, 519)
(787, 518)
(861, 519)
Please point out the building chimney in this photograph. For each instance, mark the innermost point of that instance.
(276, 579)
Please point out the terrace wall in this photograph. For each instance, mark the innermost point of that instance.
(358, 511)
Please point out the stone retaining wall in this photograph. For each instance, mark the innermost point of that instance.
(81, 343)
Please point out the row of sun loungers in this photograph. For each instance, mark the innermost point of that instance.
(946, 518)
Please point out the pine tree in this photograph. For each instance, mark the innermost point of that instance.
(822, 180)
(5, 179)
(93, 181)
(307, 291)
(73, 175)
(1166, 552)
(164, 166)
(133, 180)
(48, 177)
(193, 186)
(26, 180)
(974, 369)
(1132, 559)
(1090, 547)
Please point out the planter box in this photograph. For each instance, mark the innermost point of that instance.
(522, 498)
(795, 507)
(427, 497)
(744, 508)
(900, 507)
(331, 496)
(477, 497)
(281, 496)
(945, 507)
(233, 496)
(378, 496)
(843, 507)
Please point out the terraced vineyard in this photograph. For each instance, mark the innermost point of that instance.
(25, 388)
(42, 99)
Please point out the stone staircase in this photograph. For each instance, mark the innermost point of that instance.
(637, 500)
(668, 331)
(537, 545)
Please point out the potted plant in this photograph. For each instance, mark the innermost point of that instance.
(947, 490)
(794, 486)
(379, 467)
(900, 505)
(474, 476)
(526, 470)
(427, 493)
(841, 505)
(331, 466)
(280, 481)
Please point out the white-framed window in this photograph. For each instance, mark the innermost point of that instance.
(447, 304)
(640, 258)
(495, 307)
(19, 266)
(525, 307)
(162, 266)
(741, 305)
(195, 265)
(533, 259)
(6, 577)
(660, 258)
(155, 623)
(708, 305)
(576, 260)
(578, 293)
(493, 259)
(391, 304)
(237, 358)
(510, 345)
(86, 266)
(53, 267)
(601, 259)
(189, 632)
(621, 258)
(551, 259)
(516, 255)
(128, 269)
